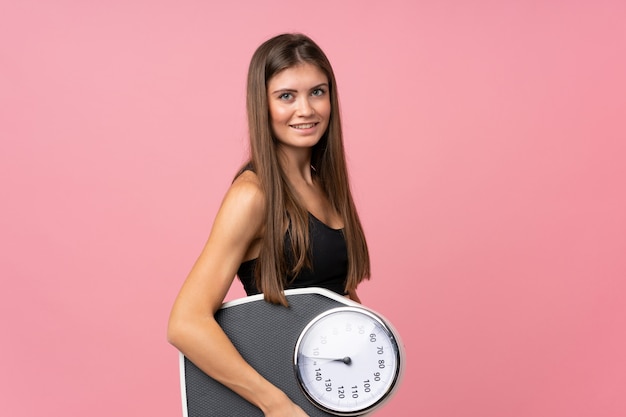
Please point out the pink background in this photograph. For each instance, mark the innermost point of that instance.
(487, 151)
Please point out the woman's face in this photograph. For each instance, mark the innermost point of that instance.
(299, 105)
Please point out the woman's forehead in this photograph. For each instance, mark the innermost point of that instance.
(305, 75)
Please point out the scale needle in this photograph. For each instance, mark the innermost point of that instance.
(345, 359)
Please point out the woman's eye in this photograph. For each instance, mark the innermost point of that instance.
(318, 92)
(285, 96)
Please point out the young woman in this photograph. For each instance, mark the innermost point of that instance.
(287, 221)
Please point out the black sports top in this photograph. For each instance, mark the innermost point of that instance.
(329, 259)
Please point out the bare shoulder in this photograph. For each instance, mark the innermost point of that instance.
(244, 202)
(246, 190)
(247, 179)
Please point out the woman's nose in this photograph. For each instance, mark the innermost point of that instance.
(304, 107)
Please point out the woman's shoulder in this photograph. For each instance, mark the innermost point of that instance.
(247, 181)
(242, 212)
(246, 193)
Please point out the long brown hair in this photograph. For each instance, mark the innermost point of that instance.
(283, 209)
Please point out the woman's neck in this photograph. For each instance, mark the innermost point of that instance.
(296, 164)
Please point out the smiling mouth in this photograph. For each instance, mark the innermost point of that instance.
(304, 126)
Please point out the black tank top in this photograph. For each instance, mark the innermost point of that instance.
(329, 259)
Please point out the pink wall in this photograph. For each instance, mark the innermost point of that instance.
(486, 143)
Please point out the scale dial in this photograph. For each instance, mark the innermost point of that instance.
(348, 361)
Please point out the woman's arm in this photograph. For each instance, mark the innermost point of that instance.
(192, 327)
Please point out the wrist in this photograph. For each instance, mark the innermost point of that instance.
(272, 398)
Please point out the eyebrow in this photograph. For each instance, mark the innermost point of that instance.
(291, 90)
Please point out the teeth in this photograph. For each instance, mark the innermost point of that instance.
(303, 126)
